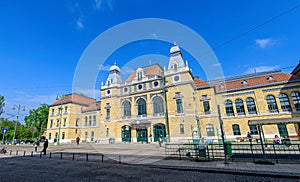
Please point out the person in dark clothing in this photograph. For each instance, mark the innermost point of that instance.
(77, 140)
(45, 146)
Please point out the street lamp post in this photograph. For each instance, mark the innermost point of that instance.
(18, 107)
(62, 97)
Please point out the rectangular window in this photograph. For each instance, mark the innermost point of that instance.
(65, 121)
(49, 136)
(52, 114)
(210, 130)
(66, 110)
(76, 131)
(57, 122)
(86, 121)
(253, 129)
(282, 130)
(206, 107)
(236, 129)
(179, 106)
(51, 123)
(86, 135)
(181, 129)
(63, 135)
(107, 114)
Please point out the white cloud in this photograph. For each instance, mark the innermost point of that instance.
(26, 98)
(79, 24)
(103, 4)
(104, 67)
(264, 43)
(127, 70)
(262, 69)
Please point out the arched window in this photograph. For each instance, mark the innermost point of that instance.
(126, 109)
(239, 105)
(210, 130)
(251, 105)
(94, 120)
(90, 120)
(296, 100)
(158, 106)
(229, 108)
(272, 106)
(236, 129)
(284, 102)
(141, 107)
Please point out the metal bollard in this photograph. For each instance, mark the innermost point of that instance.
(31, 153)
(40, 154)
(87, 157)
(61, 155)
(73, 156)
(50, 155)
(102, 156)
(17, 152)
(24, 153)
(10, 152)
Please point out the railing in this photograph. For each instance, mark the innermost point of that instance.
(91, 157)
(235, 152)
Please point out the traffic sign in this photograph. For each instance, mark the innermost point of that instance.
(4, 130)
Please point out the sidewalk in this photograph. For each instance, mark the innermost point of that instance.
(153, 156)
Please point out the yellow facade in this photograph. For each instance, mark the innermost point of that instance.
(171, 103)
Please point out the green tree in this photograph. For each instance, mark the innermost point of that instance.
(2, 104)
(36, 121)
(10, 125)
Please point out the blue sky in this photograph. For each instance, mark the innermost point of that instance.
(41, 42)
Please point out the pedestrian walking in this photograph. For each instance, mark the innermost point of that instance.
(45, 146)
(159, 141)
(77, 140)
(36, 144)
(249, 136)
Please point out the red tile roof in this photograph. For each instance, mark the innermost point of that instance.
(93, 107)
(75, 98)
(258, 80)
(199, 83)
(149, 71)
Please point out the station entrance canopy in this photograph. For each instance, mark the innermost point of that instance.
(274, 121)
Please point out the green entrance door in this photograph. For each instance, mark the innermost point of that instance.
(141, 135)
(159, 130)
(126, 133)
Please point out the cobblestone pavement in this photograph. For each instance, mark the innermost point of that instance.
(145, 157)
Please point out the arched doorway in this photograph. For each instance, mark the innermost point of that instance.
(159, 130)
(126, 133)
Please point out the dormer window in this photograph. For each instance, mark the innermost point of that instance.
(270, 78)
(139, 74)
(175, 66)
(221, 86)
(244, 82)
